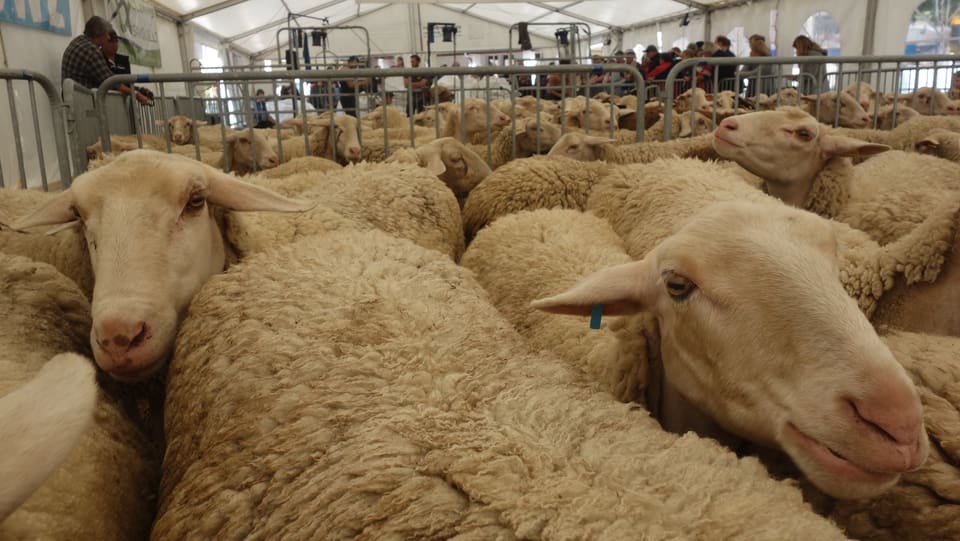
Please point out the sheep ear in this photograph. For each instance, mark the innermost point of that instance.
(835, 145)
(621, 289)
(595, 140)
(433, 161)
(927, 145)
(228, 192)
(57, 211)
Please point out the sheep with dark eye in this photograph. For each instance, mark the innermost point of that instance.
(702, 339)
(894, 197)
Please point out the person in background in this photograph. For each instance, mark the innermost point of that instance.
(813, 77)
(261, 118)
(955, 87)
(761, 78)
(597, 78)
(419, 87)
(349, 88)
(628, 82)
(84, 61)
(725, 74)
(119, 63)
(398, 63)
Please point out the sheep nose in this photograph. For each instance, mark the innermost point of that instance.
(272, 161)
(353, 153)
(117, 337)
(730, 124)
(897, 416)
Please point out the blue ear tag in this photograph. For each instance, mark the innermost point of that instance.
(595, 315)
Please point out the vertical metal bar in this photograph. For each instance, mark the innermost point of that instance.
(16, 133)
(36, 131)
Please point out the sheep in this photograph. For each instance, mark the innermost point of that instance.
(38, 435)
(624, 354)
(905, 283)
(456, 165)
(476, 114)
(824, 108)
(181, 130)
(301, 165)
(105, 487)
(435, 419)
(784, 97)
(601, 117)
(588, 148)
(941, 143)
(530, 183)
(395, 118)
(124, 143)
(402, 199)
(346, 147)
(242, 153)
(904, 136)
(376, 149)
(528, 107)
(147, 221)
(930, 101)
(681, 126)
(886, 120)
(863, 92)
(531, 137)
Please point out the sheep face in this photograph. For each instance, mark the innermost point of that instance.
(476, 113)
(463, 169)
(700, 125)
(785, 147)
(851, 114)
(153, 241)
(529, 131)
(578, 146)
(180, 129)
(346, 137)
(757, 330)
(250, 152)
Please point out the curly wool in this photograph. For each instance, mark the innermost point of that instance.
(905, 135)
(530, 183)
(105, 489)
(401, 199)
(358, 386)
(66, 250)
(563, 246)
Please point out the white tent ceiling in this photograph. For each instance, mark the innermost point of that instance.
(252, 25)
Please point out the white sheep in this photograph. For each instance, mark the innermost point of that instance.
(590, 147)
(530, 137)
(402, 199)
(893, 197)
(885, 119)
(435, 419)
(905, 135)
(824, 108)
(459, 167)
(148, 223)
(941, 143)
(395, 118)
(38, 433)
(105, 486)
(476, 114)
(533, 254)
(342, 146)
(530, 183)
(772, 384)
(242, 153)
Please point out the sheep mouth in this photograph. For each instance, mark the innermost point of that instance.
(718, 138)
(834, 462)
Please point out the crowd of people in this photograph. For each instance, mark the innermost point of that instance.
(93, 56)
(655, 66)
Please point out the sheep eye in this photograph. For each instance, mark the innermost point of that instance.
(678, 287)
(803, 134)
(195, 204)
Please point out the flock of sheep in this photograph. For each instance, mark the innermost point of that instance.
(495, 321)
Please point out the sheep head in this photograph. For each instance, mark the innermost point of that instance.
(787, 148)
(757, 330)
(153, 241)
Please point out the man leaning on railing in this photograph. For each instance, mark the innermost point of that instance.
(84, 62)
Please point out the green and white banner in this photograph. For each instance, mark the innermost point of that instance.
(136, 23)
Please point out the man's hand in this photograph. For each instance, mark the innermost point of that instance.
(141, 98)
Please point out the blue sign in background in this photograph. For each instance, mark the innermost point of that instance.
(36, 14)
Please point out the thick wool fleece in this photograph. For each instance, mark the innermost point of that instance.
(401, 199)
(905, 135)
(530, 183)
(653, 149)
(105, 489)
(926, 503)
(358, 386)
(66, 250)
(562, 246)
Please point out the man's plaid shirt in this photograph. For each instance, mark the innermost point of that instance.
(84, 62)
